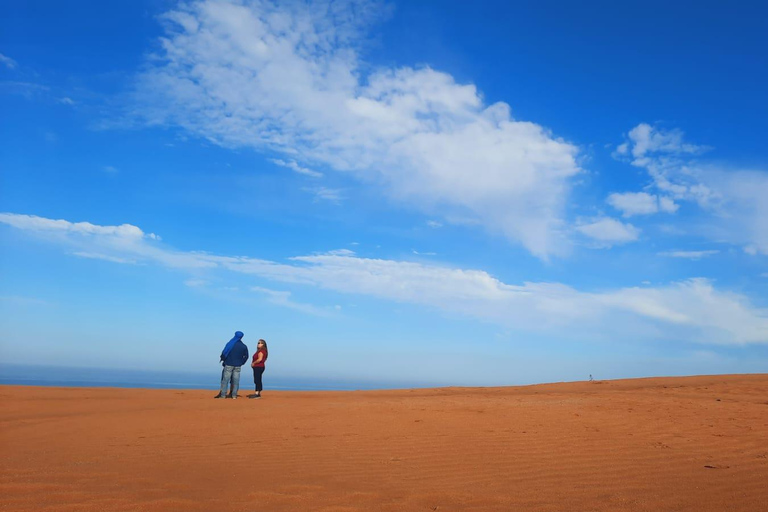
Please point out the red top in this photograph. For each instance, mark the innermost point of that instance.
(263, 359)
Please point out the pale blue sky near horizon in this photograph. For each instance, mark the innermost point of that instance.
(436, 192)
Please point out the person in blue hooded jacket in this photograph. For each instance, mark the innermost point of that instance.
(234, 355)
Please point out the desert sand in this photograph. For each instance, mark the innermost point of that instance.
(661, 444)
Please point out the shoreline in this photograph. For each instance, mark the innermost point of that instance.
(245, 384)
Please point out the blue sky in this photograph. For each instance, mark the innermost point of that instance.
(421, 192)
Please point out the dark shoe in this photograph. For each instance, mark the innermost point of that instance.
(254, 396)
(218, 396)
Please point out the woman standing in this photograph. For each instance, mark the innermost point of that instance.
(259, 358)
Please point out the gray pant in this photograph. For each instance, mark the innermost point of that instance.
(230, 374)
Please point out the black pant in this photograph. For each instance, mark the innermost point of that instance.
(257, 373)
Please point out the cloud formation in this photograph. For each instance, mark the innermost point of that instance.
(644, 139)
(609, 231)
(641, 203)
(332, 195)
(692, 310)
(288, 78)
(7, 61)
(292, 165)
(692, 255)
(732, 200)
(283, 298)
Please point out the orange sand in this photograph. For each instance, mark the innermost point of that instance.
(667, 444)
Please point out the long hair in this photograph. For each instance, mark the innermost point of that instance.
(265, 344)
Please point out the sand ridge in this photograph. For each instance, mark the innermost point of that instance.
(683, 444)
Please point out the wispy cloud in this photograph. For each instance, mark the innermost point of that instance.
(693, 255)
(641, 203)
(41, 224)
(341, 252)
(7, 61)
(105, 257)
(283, 298)
(287, 78)
(644, 139)
(21, 300)
(609, 231)
(732, 201)
(692, 310)
(662, 153)
(28, 90)
(292, 165)
(110, 169)
(332, 195)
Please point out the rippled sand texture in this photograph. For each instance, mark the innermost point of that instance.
(671, 444)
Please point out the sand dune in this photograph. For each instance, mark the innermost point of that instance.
(682, 444)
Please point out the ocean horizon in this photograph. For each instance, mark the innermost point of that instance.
(68, 376)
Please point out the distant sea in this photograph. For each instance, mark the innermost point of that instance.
(96, 377)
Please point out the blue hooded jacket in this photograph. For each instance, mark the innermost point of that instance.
(238, 355)
(231, 343)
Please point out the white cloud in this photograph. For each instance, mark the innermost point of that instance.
(691, 310)
(434, 224)
(41, 224)
(288, 79)
(645, 138)
(662, 153)
(732, 201)
(195, 283)
(110, 169)
(689, 306)
(105, 257)
(283, 298)
(634, 203)
(641, 203)
(717, 314)
(7, 61)
(66, 101)
(332, 195)
(741, 216)
(122, 244)
(693, 255)
(667, 205)
(291, 164)
(341, 252)
(609, 231)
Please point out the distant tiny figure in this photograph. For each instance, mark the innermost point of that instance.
(234, 355)
(259, 358)
(590, 377)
